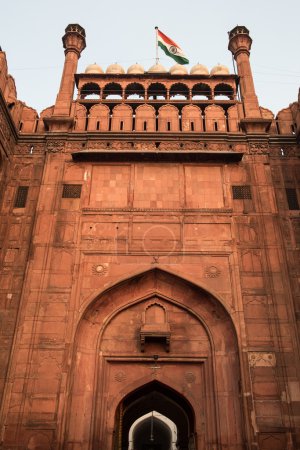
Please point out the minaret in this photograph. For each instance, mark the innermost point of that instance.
(240, 46)
(74, 43)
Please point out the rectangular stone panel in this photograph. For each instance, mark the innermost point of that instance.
(156, 186)
(203, 235)
(110, 186)
(203, 187)
(147, 237)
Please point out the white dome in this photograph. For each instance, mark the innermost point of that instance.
(157, 68)
(115, 69)
(178, 69)
(136, 69)
(219, 69)
(93, 68)
(199, 69)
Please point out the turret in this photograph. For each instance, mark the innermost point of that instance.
(240, 45)
(74, 43)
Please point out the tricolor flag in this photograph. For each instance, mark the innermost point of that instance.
(171, 48)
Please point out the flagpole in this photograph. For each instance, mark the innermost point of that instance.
(156, 33)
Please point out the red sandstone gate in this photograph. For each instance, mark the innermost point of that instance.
(155, 342)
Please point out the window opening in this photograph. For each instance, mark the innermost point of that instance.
(145, 126)
(216, 126)
(21, 197)
(291, 195)
(121, 125)
(98, 125)
(71, 191)
(192, 126)
(169, 126)
(241, 192)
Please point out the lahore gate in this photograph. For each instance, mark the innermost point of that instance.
(149, 250)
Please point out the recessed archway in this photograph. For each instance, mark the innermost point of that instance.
(159, 397)
(189, 360)
(151, 426)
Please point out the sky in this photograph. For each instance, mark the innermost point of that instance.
(123, 31)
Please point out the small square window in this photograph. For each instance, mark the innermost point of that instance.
(71, 191)
(241, 192)
(21, 197)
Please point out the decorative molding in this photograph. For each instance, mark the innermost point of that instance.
(157, 210)
(257, 148)
(145, 146)
(262, 359)
(212, 272)
(99, 269)
(55, 146)
(120, 376)
(190, 377)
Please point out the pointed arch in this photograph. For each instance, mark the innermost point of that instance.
(90, 90)
(145, 118)
(191, 118)
(179, 91)
(99, 118)
(156, 91)
(224, 90)
(80, 117)
(108, 330)
(168, 118)
(200, 91)
(215, 120)
(122, 116)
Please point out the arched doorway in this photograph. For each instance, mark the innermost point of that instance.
(155, 335)
(153, 434)
(159, 426)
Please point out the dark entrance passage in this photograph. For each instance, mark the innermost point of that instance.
(154, 396)
(152, 433)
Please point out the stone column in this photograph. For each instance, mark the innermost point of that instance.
(74, 43)
(240, 46)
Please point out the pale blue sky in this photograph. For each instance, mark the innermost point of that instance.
(121, 31)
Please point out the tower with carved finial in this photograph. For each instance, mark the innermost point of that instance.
(240, 45)
(74, 43)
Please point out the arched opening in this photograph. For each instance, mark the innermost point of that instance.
(224, 91)
(135, 91)
(132, 357)
(150, 426)
(179, 91)
(157, 91)
(201, 91)
(153, 433)
(90, 91)
(112, 91)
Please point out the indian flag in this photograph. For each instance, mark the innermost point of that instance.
(171, 48)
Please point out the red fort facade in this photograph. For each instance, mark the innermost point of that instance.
(149, 251)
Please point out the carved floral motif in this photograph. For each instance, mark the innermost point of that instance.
(99, 269)
(55, 146)
(145, 146)
(212, 272)
(169, 146)
(257, 148)
(262, 359)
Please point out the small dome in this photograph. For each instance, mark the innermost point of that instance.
(157, 68)
(199, 69)
(135, 69)
(93, 68)
(115, 69)
(178, 69)
(219, 69)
